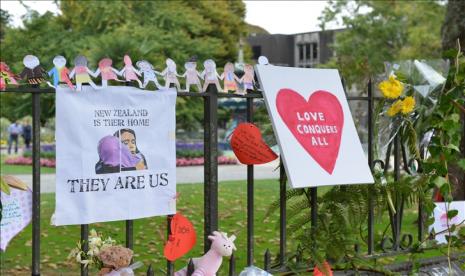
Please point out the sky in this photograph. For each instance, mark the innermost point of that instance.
(284, 17)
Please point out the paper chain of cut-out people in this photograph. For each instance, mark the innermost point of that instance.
(34, 74)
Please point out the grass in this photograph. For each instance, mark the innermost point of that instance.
(150, 233)
(20, 169)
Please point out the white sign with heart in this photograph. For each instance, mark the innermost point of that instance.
(16, 214)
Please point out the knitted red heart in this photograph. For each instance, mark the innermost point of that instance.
(316, 124)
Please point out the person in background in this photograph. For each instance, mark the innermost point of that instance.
(27, 134)
(14, 130)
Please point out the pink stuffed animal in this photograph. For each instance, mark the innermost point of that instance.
(208, 264)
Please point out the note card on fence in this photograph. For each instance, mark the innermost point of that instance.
(313, 125)
(116, 154)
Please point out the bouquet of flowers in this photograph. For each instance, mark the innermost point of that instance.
(105, 255)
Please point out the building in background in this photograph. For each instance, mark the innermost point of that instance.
(295, 50)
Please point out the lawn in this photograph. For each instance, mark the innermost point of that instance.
(20, 169)
(150, 233)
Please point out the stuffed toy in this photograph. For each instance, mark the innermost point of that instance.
(116, 261)
(208, 264)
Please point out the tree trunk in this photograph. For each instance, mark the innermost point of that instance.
(453, 29)
(454, 25)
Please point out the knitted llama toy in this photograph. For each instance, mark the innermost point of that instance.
(208, 264)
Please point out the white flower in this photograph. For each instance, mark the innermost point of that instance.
(73, 253)
(95, 241)
(78, 258)
(86, 262)
(93, 233)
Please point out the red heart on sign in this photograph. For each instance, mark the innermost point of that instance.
(316, 123)
(249, 147)
(182, 238)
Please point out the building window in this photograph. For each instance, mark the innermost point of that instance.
(307, 52)
(256, 51)
(301, 52)
(315, 50)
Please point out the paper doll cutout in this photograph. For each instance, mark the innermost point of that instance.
(33, 72)
(170, 74)
(106, 71)
(82, 73)
(147, 71)
(129, 72)
(262, 60)
(229, 78)
(192, 75)
(60, 73)
(248, 79)
(6, 76)
(210, 75)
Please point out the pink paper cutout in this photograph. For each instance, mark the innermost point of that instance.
(316, 124)
(16, 214)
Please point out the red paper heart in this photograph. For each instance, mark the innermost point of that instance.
(317, 123)
(182, 238)
(249, 147)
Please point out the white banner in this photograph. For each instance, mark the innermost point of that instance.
(115, 154)
(313, 125)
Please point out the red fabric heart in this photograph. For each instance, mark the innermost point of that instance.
(182, 238)
(249, 147)
(317, 123)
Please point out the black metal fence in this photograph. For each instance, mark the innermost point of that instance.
(399, 242)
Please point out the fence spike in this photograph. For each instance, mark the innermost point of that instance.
(150, 271)
(232, 265)
(267, 259)
(190, 268)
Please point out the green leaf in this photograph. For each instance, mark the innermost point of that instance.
(452, 213)
(461, 163)
(4, 187)
(439, 181)
(453, 147)
(454, 117)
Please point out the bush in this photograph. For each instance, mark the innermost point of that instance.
(43, 154)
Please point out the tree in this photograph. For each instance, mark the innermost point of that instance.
(379, 31)
(454, 25)
(453, 30)
(151, 30)
(4, 21)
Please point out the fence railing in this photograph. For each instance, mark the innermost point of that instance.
(400, 243)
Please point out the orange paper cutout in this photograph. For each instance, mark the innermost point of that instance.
(249, 147)
(326, 272)
(181, 239)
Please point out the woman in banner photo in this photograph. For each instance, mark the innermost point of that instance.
(128, 137)
(115, 157)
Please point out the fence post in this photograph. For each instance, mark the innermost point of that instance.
(282, 214)
(250, 196)
(84, 246)
(210, 164)
(36, 184)
(371, 190)
(169, 264)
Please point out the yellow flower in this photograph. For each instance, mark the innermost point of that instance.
(408, 104)
(395, 108)
(392, 88)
